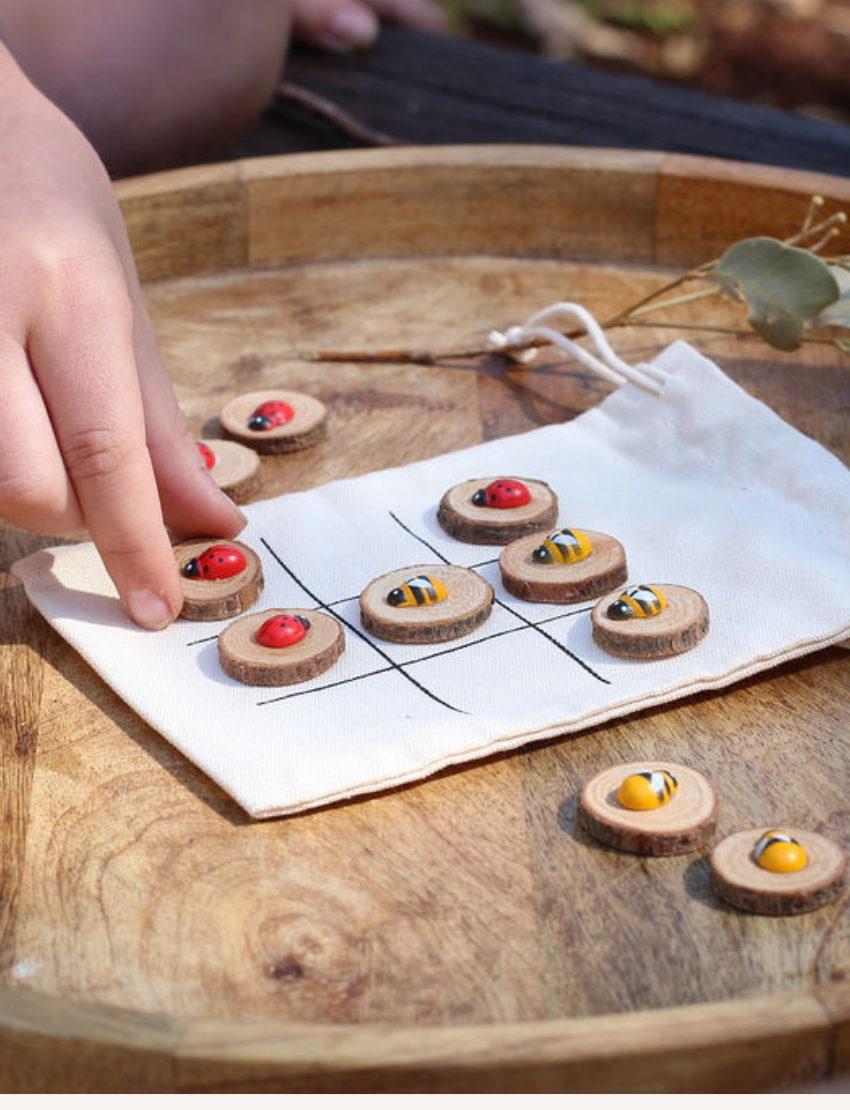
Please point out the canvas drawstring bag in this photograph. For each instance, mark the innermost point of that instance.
(703, 485)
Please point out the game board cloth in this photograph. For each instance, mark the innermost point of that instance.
(703, 485)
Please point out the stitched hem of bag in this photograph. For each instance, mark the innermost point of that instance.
(517, 740)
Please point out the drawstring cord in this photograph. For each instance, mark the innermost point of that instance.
(609, 365)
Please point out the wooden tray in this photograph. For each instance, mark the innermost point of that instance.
(459, 935)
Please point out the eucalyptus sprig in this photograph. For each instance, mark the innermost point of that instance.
(793, 291)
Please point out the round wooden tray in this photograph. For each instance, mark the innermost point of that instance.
(461, 934)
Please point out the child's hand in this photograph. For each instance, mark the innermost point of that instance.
(354, 24)
(90, 431)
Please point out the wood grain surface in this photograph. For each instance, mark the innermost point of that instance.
(461, 934)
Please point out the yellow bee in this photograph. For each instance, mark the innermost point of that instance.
(647, 790)
(777, 851)
(641, 601)
(417, 591)
(565, 546)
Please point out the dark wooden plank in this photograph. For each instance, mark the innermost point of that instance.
(427, 89)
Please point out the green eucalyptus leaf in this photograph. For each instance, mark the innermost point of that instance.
(784, 287)
(837, 314)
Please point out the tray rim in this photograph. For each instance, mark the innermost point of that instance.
(704, 1046)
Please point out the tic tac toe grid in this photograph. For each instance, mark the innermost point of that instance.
(702, 486)
(388, 656)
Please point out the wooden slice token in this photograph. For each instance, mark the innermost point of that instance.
(562, 583)
(208, 597)
(462, 518)
(247, 660)
(304, 427)
(738, 879)
(466, 604)
(684, 824)
(678, 627)
(235, 469)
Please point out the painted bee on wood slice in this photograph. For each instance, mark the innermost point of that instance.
(647, 790)
(641, 601)
(777, 851)
(421, 590)
(565, 546)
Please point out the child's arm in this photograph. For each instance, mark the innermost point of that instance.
(90, 431)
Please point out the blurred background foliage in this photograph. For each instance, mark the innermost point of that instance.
(792, 54)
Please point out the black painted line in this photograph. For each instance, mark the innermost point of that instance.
(410, 663)
(424, 542)
(561, 647)
(357, 632)
(531, 624)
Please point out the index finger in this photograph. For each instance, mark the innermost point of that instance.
(82, 354)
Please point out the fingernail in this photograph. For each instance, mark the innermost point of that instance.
(351, 30)
(148, 609)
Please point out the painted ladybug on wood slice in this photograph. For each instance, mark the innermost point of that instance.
(207, 454)
(282, 631)
(504, 493)
(217, 562)
(271, 414)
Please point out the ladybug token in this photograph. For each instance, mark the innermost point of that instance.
(274, 422)
(249, 648)
(207, 454)
(504, 493)
(271, 414)
(219, 561)
(497, 510)
(220, 578)
(282, 631)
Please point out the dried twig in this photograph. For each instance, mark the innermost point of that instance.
(814, 234)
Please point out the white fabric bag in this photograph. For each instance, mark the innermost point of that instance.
(704, 487)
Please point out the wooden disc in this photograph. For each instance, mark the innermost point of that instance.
(305, 428)
(467, 604)
(675, 629)
(563, 583)
(236, 469)
(244, 659)
(215, 599)
(479, 524)
(685, 824)
(736, 878)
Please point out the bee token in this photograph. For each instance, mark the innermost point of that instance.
(425, 604)
(273, 422)
(650, 621)
(497, 510)
(666, 809)
(740, 874)
(220, 578)
(280, 647)
(563, 567)
(234, 468)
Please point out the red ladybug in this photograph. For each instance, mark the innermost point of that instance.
(282, 631)
(207, 455)
(504, 493)
(271, 414)
(219, 561)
